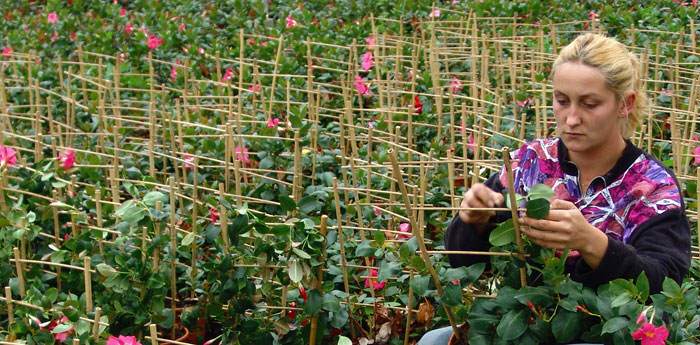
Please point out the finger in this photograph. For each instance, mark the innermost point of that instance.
(560, 204)
(550, 245)
(559, 215)
(486, 196)
(545, 236)
(542, 224)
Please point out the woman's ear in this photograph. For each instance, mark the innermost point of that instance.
(628, 103)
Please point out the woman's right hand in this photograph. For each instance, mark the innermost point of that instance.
(479, 196)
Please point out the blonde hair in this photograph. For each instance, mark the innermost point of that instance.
(619, 66)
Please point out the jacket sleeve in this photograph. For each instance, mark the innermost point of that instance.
(464, 237)
(660, 247)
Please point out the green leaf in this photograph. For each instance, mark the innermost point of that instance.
(295, 270)
(286, 203)
(540, 191)
(300, 253)
(512, 325)
(452, 295)
(615, 324)
(364, 249)
(151, 198)
(105, 270)
(387, 270)
(420, 285)
(314, 302)
(537, 208)
(518, 199)
(503, 234)
(64, 327)
(344, 341)
(130, 212)
(188, 239)
(566, 326)
(309, 204)
(474, 272)
(379, 238)
(536, 295)
(671, 289)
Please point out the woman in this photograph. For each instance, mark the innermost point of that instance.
(618, 209)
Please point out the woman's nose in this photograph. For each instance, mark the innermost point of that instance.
(573, 117)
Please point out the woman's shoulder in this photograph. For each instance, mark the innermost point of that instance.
(652, 183)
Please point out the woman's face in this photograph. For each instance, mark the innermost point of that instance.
(587, 112)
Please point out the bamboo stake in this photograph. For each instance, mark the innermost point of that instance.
(409, 309)
(96, 323)
(88, 284)
(223, 214)
(514, 214)
(419, 238)
(341, 241)
(319, 278)
(20, 271)
(10, 312)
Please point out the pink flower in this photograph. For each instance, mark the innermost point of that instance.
(61, 337)
(228, 75)
(128, 28)
(435, 13)
(273, 122)
(154, 42)
(54, 36)
(642, 318)
(455, 85)
(406, 229)
(361, 87)
(377, 211)
(52, 18)
(242, 154)
(122, 340)
(73, 36)
(6, 52)
(471, 146)
(213, 214)
(189, 161)
(181, 27)
(122, 12)
(417, 105)
(8, 156)
(173, 73)
(696, 155)
(200, 50)
(370, 41)
(255, 88)
(291, 22)
(372, 282)
(667, 92)
(525, 103)
(651, 335)
(367, 61)
(592, 15)
(67, 159)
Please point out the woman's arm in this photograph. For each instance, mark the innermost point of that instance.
(660, 247)
(473, 237)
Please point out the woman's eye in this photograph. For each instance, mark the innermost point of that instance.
(561, 101)
(590, 105)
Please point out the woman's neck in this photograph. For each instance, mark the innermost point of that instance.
(599, 160)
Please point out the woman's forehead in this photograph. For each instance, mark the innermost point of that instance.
(573, 78)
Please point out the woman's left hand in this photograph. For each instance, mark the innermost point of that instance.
(565, 227)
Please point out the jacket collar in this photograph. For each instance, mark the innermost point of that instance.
(629, 155)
